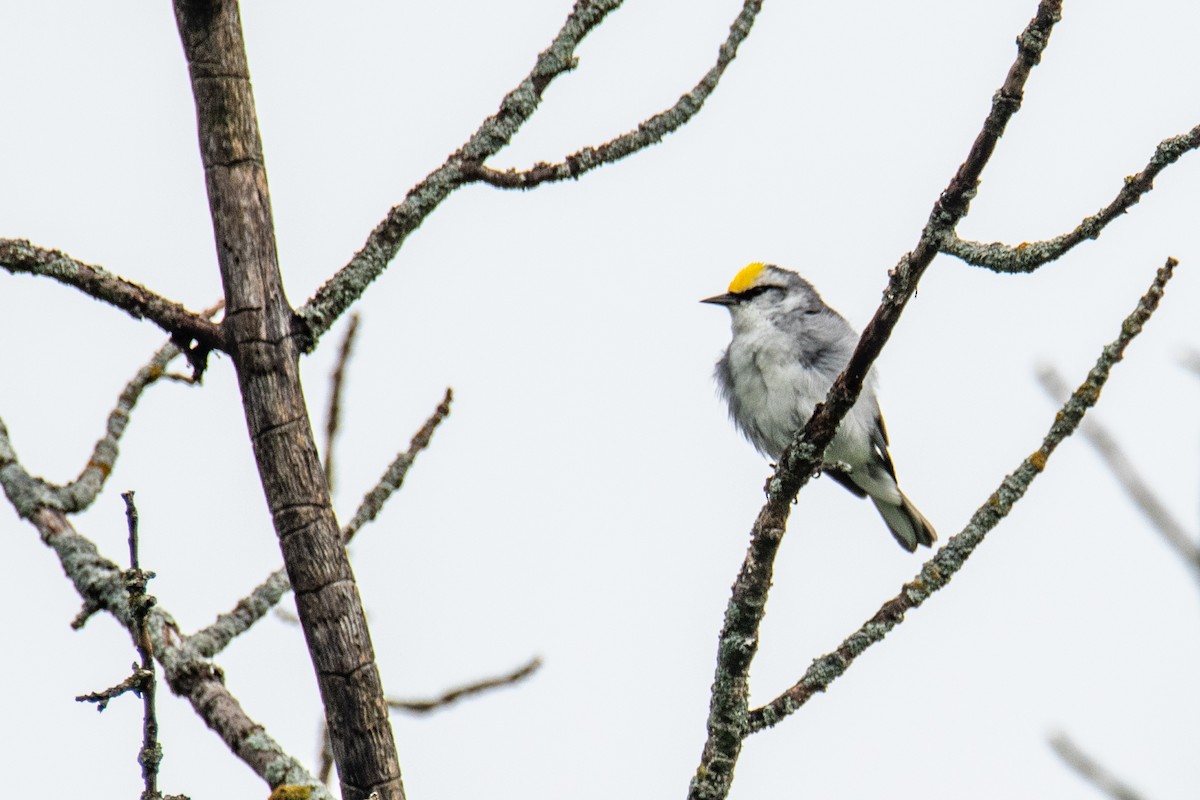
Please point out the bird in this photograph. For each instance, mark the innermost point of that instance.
(787, 349)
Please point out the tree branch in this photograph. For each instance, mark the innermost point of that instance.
(938, 571)
(1091, 770)
(337, 381)
(261, 334)
(99, 582)
(728, 721)
(393, 478)
(317, 315)
(82, 492)
(1130, 479)
(1027, 257)
(650, 131)
(185, 327)
(452, 696)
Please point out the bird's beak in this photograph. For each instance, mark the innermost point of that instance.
(722, 300)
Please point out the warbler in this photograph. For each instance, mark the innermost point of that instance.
(788, 347)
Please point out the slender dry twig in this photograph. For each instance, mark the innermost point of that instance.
(336, 381)
(938, 571)
(325, 768)
(650, 131)
(194, 333)
(140, 604)
(1027, 257)
(1090, 770)
(454, 695)
(143, 680)
(1130, 478)
(728, 720)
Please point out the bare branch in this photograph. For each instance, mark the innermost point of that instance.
(336, 382)
(207, 642)
(650, 131)
(938, 570)
(99, 581)
(1129, 478)
(1027, 257)
(393, 478)
(185, 327)
(728, 721)
(453, 695)
(1090, 770)
(349, 283)
(140, 604)
(82, 492)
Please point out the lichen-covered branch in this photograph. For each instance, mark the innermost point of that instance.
(393, 477)
(728, 720)
(185, 327)
(1028, 256)
(938, 571)
(348, 284)
(650, 131)
(99, 582)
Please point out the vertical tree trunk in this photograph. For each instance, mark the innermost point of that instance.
(258, 326)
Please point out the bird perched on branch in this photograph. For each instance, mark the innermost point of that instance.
(788, 347)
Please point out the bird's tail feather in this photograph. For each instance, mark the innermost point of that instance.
(906, 523)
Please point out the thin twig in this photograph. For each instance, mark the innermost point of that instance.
(938, 570)
(1090, 770)
(82, 492)
(650, 131)
(1027, 257)
(143, 680)
(195, 333)
(140, 604)
(728, 720)
(1130, 478)
(325, 767)
(393, 478)
(336, 382)
(453, 695)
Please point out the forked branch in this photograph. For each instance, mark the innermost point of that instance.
(938, 571)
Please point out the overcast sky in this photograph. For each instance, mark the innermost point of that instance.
(587, 500)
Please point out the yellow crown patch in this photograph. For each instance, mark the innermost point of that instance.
(746, 277)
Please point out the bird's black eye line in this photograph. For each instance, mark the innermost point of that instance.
(755, 291)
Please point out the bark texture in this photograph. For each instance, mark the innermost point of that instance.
(259, 330)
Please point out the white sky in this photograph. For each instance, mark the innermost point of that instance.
(587, 500)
